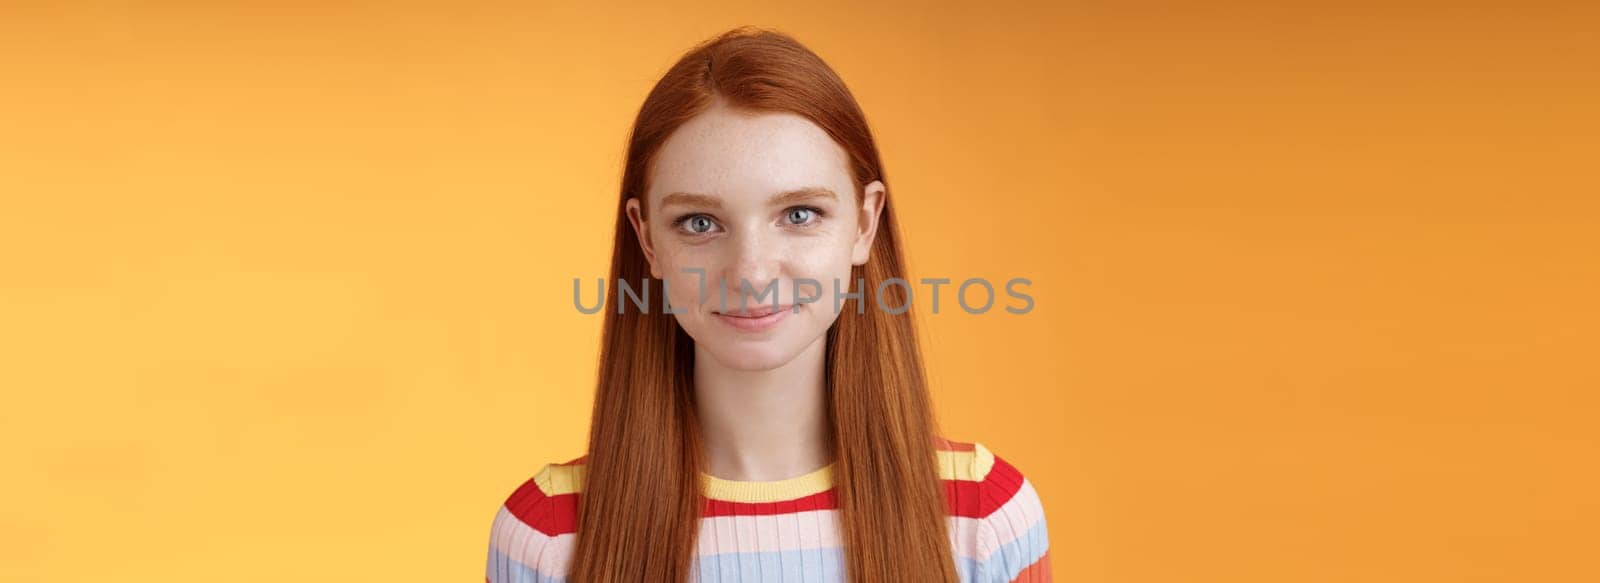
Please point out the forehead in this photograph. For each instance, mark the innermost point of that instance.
(738, 155)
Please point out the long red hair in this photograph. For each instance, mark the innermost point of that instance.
(632, 524)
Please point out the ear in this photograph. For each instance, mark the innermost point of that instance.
(873, 197)
(641, 229)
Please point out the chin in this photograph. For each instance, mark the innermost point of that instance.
(750, 355)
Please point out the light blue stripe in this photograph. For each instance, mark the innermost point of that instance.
(967, 569)
(815, 565)
(807, 565)
(1010, 559)
(501, 569)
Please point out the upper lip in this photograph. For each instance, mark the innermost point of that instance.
(754, 311)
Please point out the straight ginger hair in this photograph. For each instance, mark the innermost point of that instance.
(638, 516)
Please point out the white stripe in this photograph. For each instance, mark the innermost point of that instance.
(1007, 523)
(549, 555)
(811, 529)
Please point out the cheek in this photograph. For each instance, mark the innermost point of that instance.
(686, 271)
(824, 260)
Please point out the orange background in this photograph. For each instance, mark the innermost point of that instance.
(287, 286)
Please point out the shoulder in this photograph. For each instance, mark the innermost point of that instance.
(533, 530)
(981, 482)
(1000, 513)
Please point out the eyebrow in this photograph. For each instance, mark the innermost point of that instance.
(782, 198)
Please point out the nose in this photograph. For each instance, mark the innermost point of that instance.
(753, 265)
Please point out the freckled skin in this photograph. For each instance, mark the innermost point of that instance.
(743, 159)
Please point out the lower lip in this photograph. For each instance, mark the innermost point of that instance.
(756, 324)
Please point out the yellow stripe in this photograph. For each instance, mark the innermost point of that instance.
(555, 480)
(818, 480)
(973, 466)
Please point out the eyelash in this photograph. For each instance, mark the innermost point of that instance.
(678, 223)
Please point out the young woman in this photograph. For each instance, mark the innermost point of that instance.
(735, 442)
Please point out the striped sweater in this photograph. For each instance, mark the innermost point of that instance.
(786, 531)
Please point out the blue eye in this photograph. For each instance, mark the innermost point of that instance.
(801, 215)
(697, 224)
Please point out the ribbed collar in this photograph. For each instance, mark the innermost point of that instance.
(815, 482)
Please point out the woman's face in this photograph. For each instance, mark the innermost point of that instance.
(760, 198)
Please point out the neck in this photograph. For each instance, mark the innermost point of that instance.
(763, 425)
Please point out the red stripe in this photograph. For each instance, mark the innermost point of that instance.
(551, 515)
(824, 500)
(554, 515)
(980, 499)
